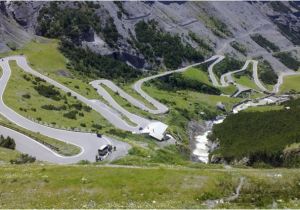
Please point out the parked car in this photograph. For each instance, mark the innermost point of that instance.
(99, 135)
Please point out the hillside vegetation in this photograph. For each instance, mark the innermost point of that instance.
(193, 79)
(109, 187)
(226, 65)
(154, 43)
(266, 73)
(290, 84)
(33, 98)
(288, 60)
(73, 25)
(263, 42)
(260, 136)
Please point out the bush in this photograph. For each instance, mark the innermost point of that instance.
(27, 96)
(27, 78)
(97, 126)
(87, 108)
(71, 115)
(52, 107)
(7, 142)
(77, 106)
(48, 92)
(24, 158)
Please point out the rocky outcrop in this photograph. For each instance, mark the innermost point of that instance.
(217, 23)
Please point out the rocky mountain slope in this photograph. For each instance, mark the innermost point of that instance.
(210, 27)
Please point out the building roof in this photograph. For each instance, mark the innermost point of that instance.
(156, 130)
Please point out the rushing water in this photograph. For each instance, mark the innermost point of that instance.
(203, 145)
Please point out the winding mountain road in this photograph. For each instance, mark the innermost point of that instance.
(89, 142)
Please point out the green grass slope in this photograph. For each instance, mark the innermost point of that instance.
(22, 96)
(290, 83)
(46, 186)
(260, 136)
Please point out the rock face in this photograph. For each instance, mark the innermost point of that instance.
(215, 23)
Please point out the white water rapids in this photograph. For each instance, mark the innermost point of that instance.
(203, 145)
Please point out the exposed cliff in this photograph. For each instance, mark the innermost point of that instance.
(210, 27)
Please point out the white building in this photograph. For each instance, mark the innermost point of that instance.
(156, 130)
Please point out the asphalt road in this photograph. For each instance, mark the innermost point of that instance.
(160, 107)
(226, 79)
(255, 77)
(88, 142)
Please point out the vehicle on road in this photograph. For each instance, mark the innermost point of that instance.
(103, 152)
(99, 135)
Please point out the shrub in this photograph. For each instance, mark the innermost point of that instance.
(87, 108)
(71, 115)
(52, 107)
(48, 91)
(24, 158)
(27, 78)
(7, 142)
(27, 96)
(97, 126)
(77, 106)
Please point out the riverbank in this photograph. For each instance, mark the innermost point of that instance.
(202, 146)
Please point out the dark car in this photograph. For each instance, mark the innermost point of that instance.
(99, 135)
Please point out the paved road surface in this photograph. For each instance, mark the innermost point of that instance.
(87, 141)
(255, 77)
(226, 79)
